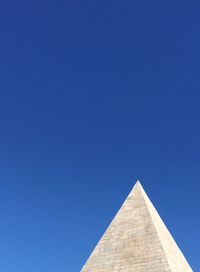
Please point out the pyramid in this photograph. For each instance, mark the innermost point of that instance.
(137, 240)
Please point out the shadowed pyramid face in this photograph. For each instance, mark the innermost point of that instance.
(137, 241)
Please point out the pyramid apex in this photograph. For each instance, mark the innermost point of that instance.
(138, 183)
(137, 186)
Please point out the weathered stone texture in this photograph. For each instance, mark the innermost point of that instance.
(137, 241)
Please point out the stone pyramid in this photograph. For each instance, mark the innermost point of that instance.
(137, 241)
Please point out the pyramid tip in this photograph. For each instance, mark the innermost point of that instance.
(137, 186)
(138, 183)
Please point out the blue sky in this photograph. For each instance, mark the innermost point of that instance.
(93, 96)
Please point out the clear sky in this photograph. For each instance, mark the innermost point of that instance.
(93, 96)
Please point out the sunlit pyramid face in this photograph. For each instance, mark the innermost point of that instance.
(137, 241)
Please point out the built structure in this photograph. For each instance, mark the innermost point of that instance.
(137, 241)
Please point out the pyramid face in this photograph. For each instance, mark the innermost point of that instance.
(137, 241)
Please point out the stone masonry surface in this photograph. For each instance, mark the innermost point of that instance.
(137, 241)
